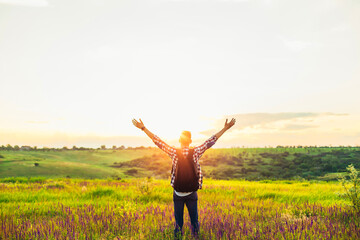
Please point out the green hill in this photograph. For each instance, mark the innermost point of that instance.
(232, 163)
(69, 163)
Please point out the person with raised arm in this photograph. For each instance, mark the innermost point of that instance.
(186, 176)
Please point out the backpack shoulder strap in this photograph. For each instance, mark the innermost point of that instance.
(190, 158)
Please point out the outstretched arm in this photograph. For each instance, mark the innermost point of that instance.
(227, 126)
(161, 144)
(211, 141)
(141, 126)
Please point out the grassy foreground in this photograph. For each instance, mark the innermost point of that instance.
(142, 209)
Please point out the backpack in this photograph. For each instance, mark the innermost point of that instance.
(186, 174)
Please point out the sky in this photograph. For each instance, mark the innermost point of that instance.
(77, 72)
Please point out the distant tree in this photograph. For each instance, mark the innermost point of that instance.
(74, 148)
(9, 147)
(103, 147)
(65, 148)
(132, 171)
(25, 148)
(259, 161)
(16, 147)
(252, 162)
(114, 147)
(122, 147)
(266, 173)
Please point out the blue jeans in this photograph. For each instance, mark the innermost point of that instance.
(191, 205)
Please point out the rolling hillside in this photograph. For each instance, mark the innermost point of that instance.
(232, 163)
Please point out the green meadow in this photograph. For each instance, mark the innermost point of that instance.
(142, 209)
(263, 193)
(78, 164)
(311, 163)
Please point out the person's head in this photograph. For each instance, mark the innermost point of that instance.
(185, 138)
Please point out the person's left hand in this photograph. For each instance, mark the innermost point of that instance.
(138, 124)
(230, 124)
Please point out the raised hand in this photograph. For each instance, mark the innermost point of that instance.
(230, 124)
(138, 124)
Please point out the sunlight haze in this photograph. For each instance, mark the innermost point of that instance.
(76, 72)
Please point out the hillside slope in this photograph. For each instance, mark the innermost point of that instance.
(232, 163)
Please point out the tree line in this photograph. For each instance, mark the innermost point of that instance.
(9, 147)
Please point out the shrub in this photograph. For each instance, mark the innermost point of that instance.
(116, 177)
(1, 156)
(144, 187)
(23, 180)
(36, 164)
(14, 180)
(352, 192)
(36, 179)
(55, 186)
(132, 171)
(267, 196)
(101, 192)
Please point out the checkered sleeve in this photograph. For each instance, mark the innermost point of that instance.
(199, 151)
(171, 151)
(200, 176)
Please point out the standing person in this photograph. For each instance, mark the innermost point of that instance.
(186, 176)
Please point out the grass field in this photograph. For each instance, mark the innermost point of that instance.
(78, 164)
(125, 194)
(142, 209)
(231, 163)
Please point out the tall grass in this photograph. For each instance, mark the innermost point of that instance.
(143, 209)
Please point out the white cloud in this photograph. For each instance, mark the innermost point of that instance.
(259, 122)
(297, 45)
(340, 28)
(295, 127)
(30, 3)
(37, 122)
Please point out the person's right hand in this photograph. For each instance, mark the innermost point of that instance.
(230, 124)
(138, 124)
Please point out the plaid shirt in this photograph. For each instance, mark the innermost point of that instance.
(198, 152)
